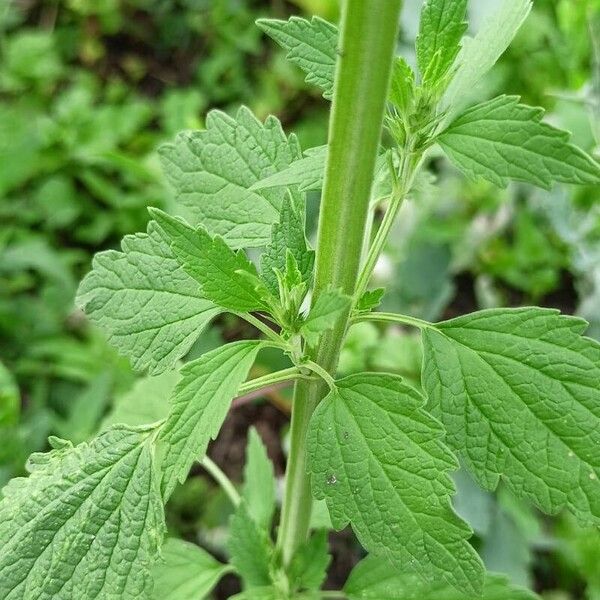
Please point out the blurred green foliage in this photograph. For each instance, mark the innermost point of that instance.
(90, 88)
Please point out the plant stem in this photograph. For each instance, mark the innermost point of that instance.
(394, 318)
(293, 373)
(368, 37)
(222, 479)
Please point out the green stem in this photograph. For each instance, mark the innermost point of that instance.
(368, 38)
(394, 318)
(222, 479)
(271, 335)
(272, 378)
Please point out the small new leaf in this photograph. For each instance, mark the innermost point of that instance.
(370, 300)
(250, 549)
(380, 462)
(212, 171)
(186, 571)
(287, 235)
(311, 45)
(374, 578)
(517, 390)
(213, 264)
(308, 568)
(402, 87)
(441, 29)
(150, 309)
(502, 140)
(259, 481)
(86, 523)
(329, 306)
(199, 405)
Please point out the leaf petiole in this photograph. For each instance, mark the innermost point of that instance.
(393, 318)
(224, 482)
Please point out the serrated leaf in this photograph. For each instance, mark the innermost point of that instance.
(502, 140)
(479, 54)
(250, 549)
(308, 568)
(261, 593)
(186, 572)
(213, 264)
(259, 481)
(212, 171)
(370, 300)
(379, 461)
(199, 405)
(441, 29)
(145, 403)
(307, 172)
(150, 309)
(517, 390)
(310, 45)
(374, 578)
(287, 234)
(86, 523)
(328, 307)
(402, 86)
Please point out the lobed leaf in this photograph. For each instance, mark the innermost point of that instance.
(212, 171)
(517, 390)
(199, 405)
(441, 29)
(150, 309)
(186, 572)
(86, 523)
(379, 461)
(310, 45)
(213, 264)
(502, 140)
(374, 578)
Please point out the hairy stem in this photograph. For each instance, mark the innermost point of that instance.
(368, 37)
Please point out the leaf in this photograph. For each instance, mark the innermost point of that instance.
(328, 307)
(199, 405)
(150, 309)
(370, 300)
(479, 54)
(250, 549)
(310, 45)
(10, 399)
(86, 523)
(517, 390)
(211, 172)
(259, 481)
(379, 461)
(261, 593)
(307, 172)
(186, 572)
(287, 234)
(308, 568)
(442, 27)
(374, 578)
(145, 403)
(502, 140)
(402, 86)
(213, 264)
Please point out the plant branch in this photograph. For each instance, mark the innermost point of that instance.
(222, 479)
(367, 41)
(393, 318)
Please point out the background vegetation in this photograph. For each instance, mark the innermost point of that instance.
(90, 88)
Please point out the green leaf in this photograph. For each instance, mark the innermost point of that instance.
(212, 171)
(150, 309)
(307, 173)
(479, 54)
(213, 264)
(310, 45)
(402, 86)
(147, 402)
(86, 523)
(186, 572)
(517, 390)
(442, 27)
(10, 398)
(308, 568)
(379, 460)
(199, 405)
(370, 300)
(259, 481)
(250, 549)
(288, 234)
(261, 593)
(502, 140)
(374, 578)
(329, 306)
